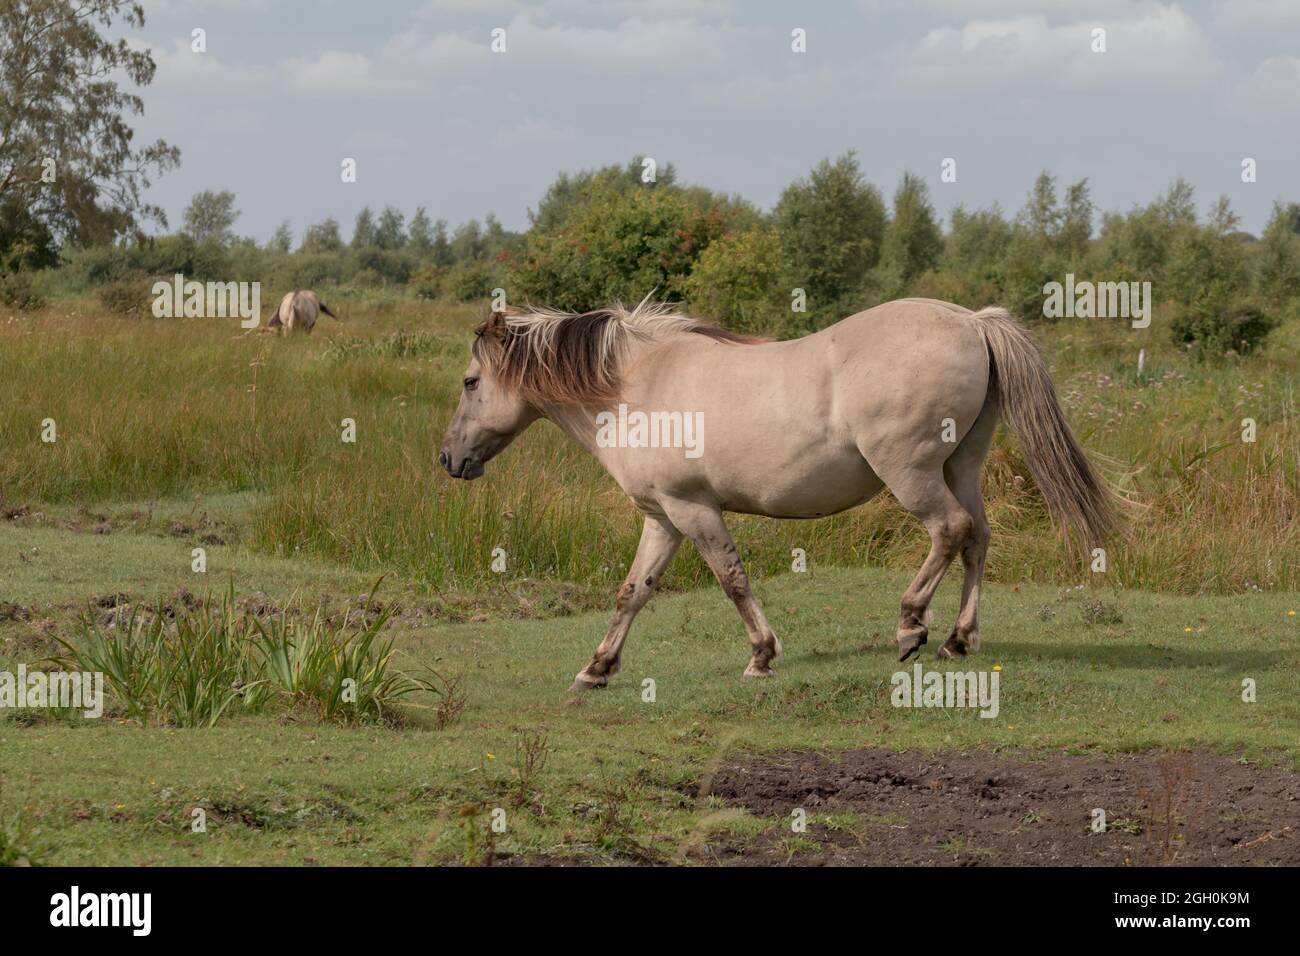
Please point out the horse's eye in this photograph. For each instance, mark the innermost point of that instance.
(471, 384)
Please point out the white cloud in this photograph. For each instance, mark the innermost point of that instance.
(1273, 90)
(1163, 50)
(1260, 17)
(331, 71)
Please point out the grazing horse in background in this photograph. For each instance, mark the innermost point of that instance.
(905, 395)
(298, 310)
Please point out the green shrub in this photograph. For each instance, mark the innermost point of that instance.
(20, 833)
(426, 282)
(1206, 271)
(391, 265)
(18, 291)
(128, 298)
(189, 668)
(615, 247)
(467, 281)
(367, 278)
(1240, 327)
(310, 270)
(737, 282)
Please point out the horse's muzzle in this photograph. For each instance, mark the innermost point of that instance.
(468, 467)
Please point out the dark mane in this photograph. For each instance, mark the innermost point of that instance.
(574, 358)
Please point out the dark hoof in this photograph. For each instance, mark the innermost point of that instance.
(909, 644)
(953, 649)
(950, 652)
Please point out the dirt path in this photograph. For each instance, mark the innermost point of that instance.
(979, 807)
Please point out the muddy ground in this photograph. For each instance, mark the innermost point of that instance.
(962, 808)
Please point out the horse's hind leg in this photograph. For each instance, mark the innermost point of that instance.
(704, 525)
(963, 473)
(659, 541)
(926, 495)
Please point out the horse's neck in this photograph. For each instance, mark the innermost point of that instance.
(576, 422)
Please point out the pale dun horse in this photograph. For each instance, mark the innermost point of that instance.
(906, 396)
(298, 311)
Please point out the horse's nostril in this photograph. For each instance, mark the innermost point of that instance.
(443, 460)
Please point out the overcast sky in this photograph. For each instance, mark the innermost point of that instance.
(411, 89)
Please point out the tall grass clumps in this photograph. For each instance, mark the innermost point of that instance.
(21, 842)
(191, 668)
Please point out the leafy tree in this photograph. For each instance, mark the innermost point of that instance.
(1279, 254)
(442, 254)
(210, 218)
(26, 242)
(1178, 206)
(620, 246)
(282, 239)
(1136, 245)
(737, 281)
(912, 242)
(976, 240)
(1041, 216)
(570, 192)
(1076, 222)
(322, 237)
(419, 234)
(390, 233)
(363, 229)
(1207, 268)
(66, 154)
(467, 241)
(1223, 219)
(1209, 277)
(1290, 214)
(831, 225)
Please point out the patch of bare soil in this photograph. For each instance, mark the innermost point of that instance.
(878, 807)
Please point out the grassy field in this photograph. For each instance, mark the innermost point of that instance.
(149, 410)
(183, 434)
(617, 773)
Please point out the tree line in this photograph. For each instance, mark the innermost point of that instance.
(831, 245)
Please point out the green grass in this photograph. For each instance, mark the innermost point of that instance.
(613, 787)
(184, 434)
(150, 410)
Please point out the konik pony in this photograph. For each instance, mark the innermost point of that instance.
(905, 395)
(298, 311)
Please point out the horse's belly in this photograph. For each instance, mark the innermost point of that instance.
(808, 490)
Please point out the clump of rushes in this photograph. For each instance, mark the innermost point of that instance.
(192, 667)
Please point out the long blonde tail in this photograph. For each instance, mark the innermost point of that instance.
(1079, 499)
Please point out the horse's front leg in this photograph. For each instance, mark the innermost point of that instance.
(659, 541)
(703, 524)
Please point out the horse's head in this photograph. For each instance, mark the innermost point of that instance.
(490, 414)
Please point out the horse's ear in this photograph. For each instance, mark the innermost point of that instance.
(494, 327)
